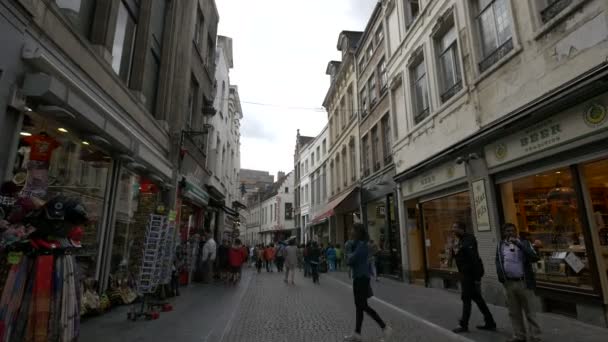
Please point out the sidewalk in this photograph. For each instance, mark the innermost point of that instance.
(443, 308)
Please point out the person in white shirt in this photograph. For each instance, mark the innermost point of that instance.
(208, 256)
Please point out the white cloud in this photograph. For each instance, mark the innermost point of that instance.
(281, 50)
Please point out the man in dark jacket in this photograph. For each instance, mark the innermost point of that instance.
(471, 270)
(514, 258)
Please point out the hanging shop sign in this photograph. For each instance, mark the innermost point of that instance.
(195, 193)
(480, 198)
(434, 178)
(575, 123)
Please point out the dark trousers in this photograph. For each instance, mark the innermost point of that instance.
(362, 291)
(175, 283)
(280, 261)
(471, 292)
(314, 267)
(258, 265)
(268, 265)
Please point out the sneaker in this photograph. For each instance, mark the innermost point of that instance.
(387, 331)
(353, 338)
(460, 330)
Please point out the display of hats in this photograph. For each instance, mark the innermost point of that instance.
(24, 207)
(75, 236)
(55, 208)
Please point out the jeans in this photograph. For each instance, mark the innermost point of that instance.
(332, 264)
(268, 265)
(314, 267)
(471, 292)
(307, 268)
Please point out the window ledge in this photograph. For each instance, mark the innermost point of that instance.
(565, 13)
(514, 52)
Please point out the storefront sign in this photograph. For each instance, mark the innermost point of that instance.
(443, 174)
(481, 205)
(575, 123)
(196, 193)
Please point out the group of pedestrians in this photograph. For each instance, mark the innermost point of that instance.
(224, 261)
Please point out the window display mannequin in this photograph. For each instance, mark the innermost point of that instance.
(41, 150)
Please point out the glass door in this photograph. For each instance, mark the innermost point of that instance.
(415, 243)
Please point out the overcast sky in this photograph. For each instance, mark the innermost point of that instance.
(281, 50)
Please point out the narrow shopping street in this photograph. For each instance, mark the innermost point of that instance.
(263, 308)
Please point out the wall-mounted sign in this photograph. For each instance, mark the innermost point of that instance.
(482, 216)
(443, 174)
(575, 123)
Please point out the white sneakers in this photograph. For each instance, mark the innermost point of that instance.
(353, 338)
(387, 333)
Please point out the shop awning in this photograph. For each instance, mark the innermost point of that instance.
(333, 205)
(195, 193)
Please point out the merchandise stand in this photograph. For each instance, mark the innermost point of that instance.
(155, 269)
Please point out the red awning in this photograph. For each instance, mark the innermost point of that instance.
(331, 206)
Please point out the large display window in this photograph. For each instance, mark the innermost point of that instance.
(545, 208)
(438, 216)
(52, 159)
(126, 207)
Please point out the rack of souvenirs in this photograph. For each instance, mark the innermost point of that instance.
(41, 297)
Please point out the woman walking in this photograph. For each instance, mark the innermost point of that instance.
(260, 257)
(330, 254)
(314, 258)
(361, 284)
(291, 261)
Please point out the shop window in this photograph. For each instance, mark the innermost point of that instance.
(79, 13)
(124, 40)
(545, 209)
(596, 181)
(438, 216)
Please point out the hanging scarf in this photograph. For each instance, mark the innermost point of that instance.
(70, 308)
(55, 313)
(42, 298)
(22, 322)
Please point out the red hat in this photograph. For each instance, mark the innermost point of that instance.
(75, 236)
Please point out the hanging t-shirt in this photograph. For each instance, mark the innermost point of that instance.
(42, 147)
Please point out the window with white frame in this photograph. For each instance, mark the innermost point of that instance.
(551, 8)
(361, 63)
(365, 154)
(343, 111)
(324, 143)
(494, 25)
(370, 51)
(420, 98)
(344, 167)
(446, 42)
(375, 149)
(363, 99)
(371, 87)
(338, 171)
(382, 75)
(353, 159)
(312, 159)
(386, 139)
(411, 11)
(318, 153)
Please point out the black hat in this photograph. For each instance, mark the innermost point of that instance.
(75, 212)
(55, 208)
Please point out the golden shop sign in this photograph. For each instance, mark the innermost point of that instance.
(433, 178)
(575, 123)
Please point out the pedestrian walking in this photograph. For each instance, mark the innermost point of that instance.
(307, 267)
(348, 250)
(301, 257)
(330, 254)
(373, 252)
(470, 267)
(259, 257)
(237, 257)
(291, 261)
(362, 290)
(339, 257)
(280, 256)
(514, 259)
(314, 260)
(269, 257)
(208, 256)
(223, 265)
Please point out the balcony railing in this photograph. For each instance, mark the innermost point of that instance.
(452, 91)
(496, 55)
(554, 9)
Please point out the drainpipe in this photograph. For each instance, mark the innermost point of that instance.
(403, 235)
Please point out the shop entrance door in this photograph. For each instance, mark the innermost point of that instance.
(415, 243)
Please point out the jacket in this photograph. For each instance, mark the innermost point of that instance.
(237, 256)
(467, 258)
(530, 257)
(209, 250)
(358, 260)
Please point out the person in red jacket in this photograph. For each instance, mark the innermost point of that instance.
(236, 256)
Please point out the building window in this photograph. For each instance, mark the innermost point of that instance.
(199, 29)
(386, 139)
(420, 89)
(286, 190)
(312, 189)
(379, 34)
(318, 153)
(192, 96)
(365, 154)
(353, 160)
(332, 177)
(306, 166)
(324, 185)
(79, 13)
(344, 168)
(288, 211)
(342, 112)
(124, 41)
(449, 64)
(210, 51)
(375, 149)
(324, 147)
(382, 75)
(412, 10)
(494, 30)
(338, 173)
(371, 87)
(306, 193)
(318, 188)
(370, 51)
(312, 159)
(551, 8)
(363, 99)
(351, 102)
